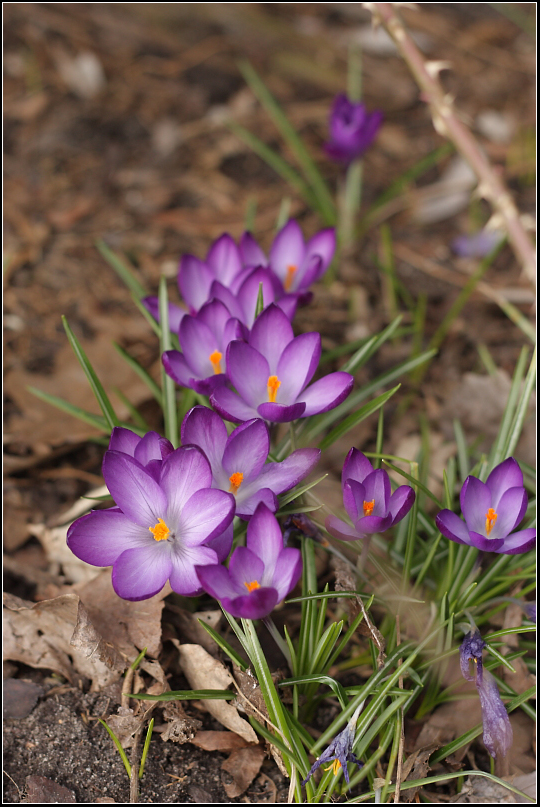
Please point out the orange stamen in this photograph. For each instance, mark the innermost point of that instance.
(335, 766)
(236, 481)
(252, 586)
(289, 277)
(160, 531)
(273, 385)
(215, 359)
(491, 518)
(368, 507)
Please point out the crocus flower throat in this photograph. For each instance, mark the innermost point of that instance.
(491, 518)
(160, 532)
(235, 480)
(215, 361)
(368, 507)
(273, 385)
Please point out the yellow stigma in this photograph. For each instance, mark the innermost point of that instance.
(491, 518)
(252, 586)
(368, 507)
(215, 359)
(236, 481)
(273, 385)
(335, 766)
(160, 531)
(289, 278)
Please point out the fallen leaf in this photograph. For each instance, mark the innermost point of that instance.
(477, 790)
(417, 767)
(205, 672)
(125, 725)
(20, 697)
(223, 741)
(59, 554)
(180, 727)
(243, 766)
(40, 790)
(192, 630)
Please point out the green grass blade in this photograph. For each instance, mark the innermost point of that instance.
(167, 383)
(118, 745)
(121, 269)
(146, 748)
(497, 453)
(141, 372)
(97, 388)
(356, 417)
(156, 327)
(225, 646)
(315, 678)
(81, 414)
(522, 408)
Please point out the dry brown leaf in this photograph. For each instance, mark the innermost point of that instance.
(180, 727)
(192, 630)
(417, 767)
(223, 741)
(477, 790)
(205, 672)
(59, 554)
(125, 725)
(243, 766)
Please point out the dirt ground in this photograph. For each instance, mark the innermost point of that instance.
(116, 129)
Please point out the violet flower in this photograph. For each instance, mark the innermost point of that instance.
(478, 245)
(352, 130)
(340, 751)
(294, 264)
(161, 528)
(238, 461)
(243, 303)
(271, 371)
(149, 451)
(368, 500)
(204, 339)
(496, 723)
(492, 510)
(260, 574)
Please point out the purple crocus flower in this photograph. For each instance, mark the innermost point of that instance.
(352, 130)
(238, 461)
(492, 510)
(294, 264)
(243, 303)
(161, 528)
(176, 314)
(496, 723)
(340, 751)
(368, 500)
(271, 372)
(149, 451)
(478, 245)
(204, 339)
(260, 574)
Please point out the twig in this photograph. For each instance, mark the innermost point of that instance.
(448, 124)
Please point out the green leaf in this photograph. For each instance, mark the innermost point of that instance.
(81, 414)
(188, 695)
(260, 301)
(97, 388)
(118, 745)
(225, 646)
(355, 418)
(293, 494)
(522, 408)
(146, 747)
(414, 482)
(167, 383)
(123, 271)
(498, 449)
(314, 678)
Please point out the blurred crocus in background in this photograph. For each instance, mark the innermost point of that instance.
(478, 245)
(496, 723)
(352, 130)
(492, 510)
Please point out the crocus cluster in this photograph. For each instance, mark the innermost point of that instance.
(174, 513)
(491, 510)
(496, 723)
(352, 130)
(368, 500)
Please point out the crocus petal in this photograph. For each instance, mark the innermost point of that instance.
(287, 571)
(278, 413)
(140, 573)
(354, 496)
(297, 366)
(222, 543)
(289, 303)
(510, 511)
(265, 540)
(340, 529)
(198, 343)
(322, 244)
(176, 314)
(194, 281)
(356, 466)
(311, 271)
(247, 449)
(452, 527)
(486, 544)
(378, 489)
(401, 502)
(149, 448)
(287, 250)
(133, 489)
(248, 372)
(176, 367)
(184, 472)
(504, 476)
(519, 542)
(220, 292)
(230, 406)
(496, 723)
(216, 581)
(245, 568)
(476, 502)
(256, 605)
(124, 440)
(224, 259)
(183, 577)
(250, 251)
(367, 525)
(245, 507)
(202, 427)
(100, 537)
(248, 294)
(270, 335)
(326, 393)
(282, 476)
(215, 315)
(205, 515)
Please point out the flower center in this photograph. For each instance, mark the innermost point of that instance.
(235, 480)
(215, 359)
(252, 586)
(273, 385)
(335, 766)
(160, 531)
(491, 518)
(368, 507)
(289, 277)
